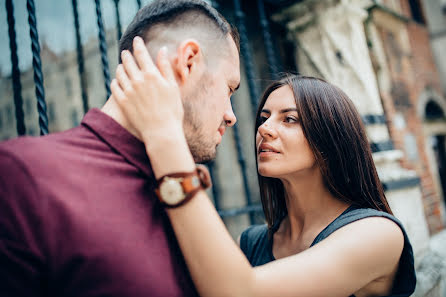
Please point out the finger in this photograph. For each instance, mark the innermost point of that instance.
(122, 78)
(142, 56)
(164, 65)
(130, 66)
(117, 92)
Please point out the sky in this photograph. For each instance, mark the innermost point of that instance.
(55, 23)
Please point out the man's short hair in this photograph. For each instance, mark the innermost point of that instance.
(157, 21)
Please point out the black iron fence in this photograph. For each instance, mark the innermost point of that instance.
(273, 54)
(234, 11)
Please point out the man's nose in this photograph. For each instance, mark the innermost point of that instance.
(229, 117)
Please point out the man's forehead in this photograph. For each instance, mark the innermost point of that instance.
(228, 68)
(234, 64)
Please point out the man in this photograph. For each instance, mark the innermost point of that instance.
(78, 213)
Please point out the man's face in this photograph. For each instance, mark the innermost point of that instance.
(207, 108)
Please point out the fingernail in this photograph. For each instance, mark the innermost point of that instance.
(138, 39)
(164, 50)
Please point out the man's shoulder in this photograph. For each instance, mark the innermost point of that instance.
(32, 149)
(21, 148)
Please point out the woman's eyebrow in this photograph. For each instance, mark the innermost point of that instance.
(288, 110)
(285, 110)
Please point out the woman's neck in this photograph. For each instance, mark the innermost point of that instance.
(310, 205)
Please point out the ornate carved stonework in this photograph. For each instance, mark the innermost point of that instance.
(332, 44)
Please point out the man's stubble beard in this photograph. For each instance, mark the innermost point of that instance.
(202, 147)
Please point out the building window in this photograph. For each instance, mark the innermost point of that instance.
(433, 111)
(417, 11)
(51, 112)
(32, 131)
(74, 118)
(28, 105)
(9, 115)
(68, 87)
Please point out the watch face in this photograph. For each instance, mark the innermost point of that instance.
(171, 191)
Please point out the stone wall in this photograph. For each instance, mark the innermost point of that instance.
(410, 72)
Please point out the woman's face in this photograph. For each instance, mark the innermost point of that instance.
(282, 148)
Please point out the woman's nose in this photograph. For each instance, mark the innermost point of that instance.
(266, 130)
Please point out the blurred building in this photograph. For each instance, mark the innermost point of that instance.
(380, 53)
(387, 55)
(62, 89)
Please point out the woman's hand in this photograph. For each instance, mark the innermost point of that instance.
(148, 96)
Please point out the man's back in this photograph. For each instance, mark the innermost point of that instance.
(78, 217)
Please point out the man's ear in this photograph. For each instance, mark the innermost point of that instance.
(189, 59)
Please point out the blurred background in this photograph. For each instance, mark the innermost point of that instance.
(389, 56)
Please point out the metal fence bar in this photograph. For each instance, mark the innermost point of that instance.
(37, 65)
(103, 48)
(246, 54)
(80, 58)
(253, 93)
(215, 185)
(241, 158)
(242, 163)
(16, 84)
(118, 19)
(269, 48)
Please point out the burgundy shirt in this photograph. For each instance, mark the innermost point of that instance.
(78, 217)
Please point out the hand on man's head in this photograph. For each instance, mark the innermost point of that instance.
(148, 95)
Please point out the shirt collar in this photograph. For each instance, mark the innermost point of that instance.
(117, 137)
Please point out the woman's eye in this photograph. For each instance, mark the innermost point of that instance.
(263, 119)
(291, 120)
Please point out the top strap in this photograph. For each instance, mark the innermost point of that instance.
(405, 280)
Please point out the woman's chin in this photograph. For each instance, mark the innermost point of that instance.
(264, 172)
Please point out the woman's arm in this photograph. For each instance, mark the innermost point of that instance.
(346, 261)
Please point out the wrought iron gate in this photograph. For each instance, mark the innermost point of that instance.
(234, 10)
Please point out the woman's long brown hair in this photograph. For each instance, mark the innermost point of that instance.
(336, 135)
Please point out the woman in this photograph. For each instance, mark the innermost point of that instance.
(318, 184)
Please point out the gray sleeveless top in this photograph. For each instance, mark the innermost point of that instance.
(257, 247)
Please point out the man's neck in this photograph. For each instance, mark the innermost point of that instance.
(111, 108)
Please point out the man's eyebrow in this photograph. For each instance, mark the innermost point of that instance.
(285, 110)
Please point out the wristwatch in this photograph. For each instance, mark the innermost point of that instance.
(175, 189)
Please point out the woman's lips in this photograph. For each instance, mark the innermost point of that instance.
(267, 154)
(265, 148)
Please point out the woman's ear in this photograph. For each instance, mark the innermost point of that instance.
(189, 60)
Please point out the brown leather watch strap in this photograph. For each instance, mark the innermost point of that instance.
(178, 175)
(188, 183)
